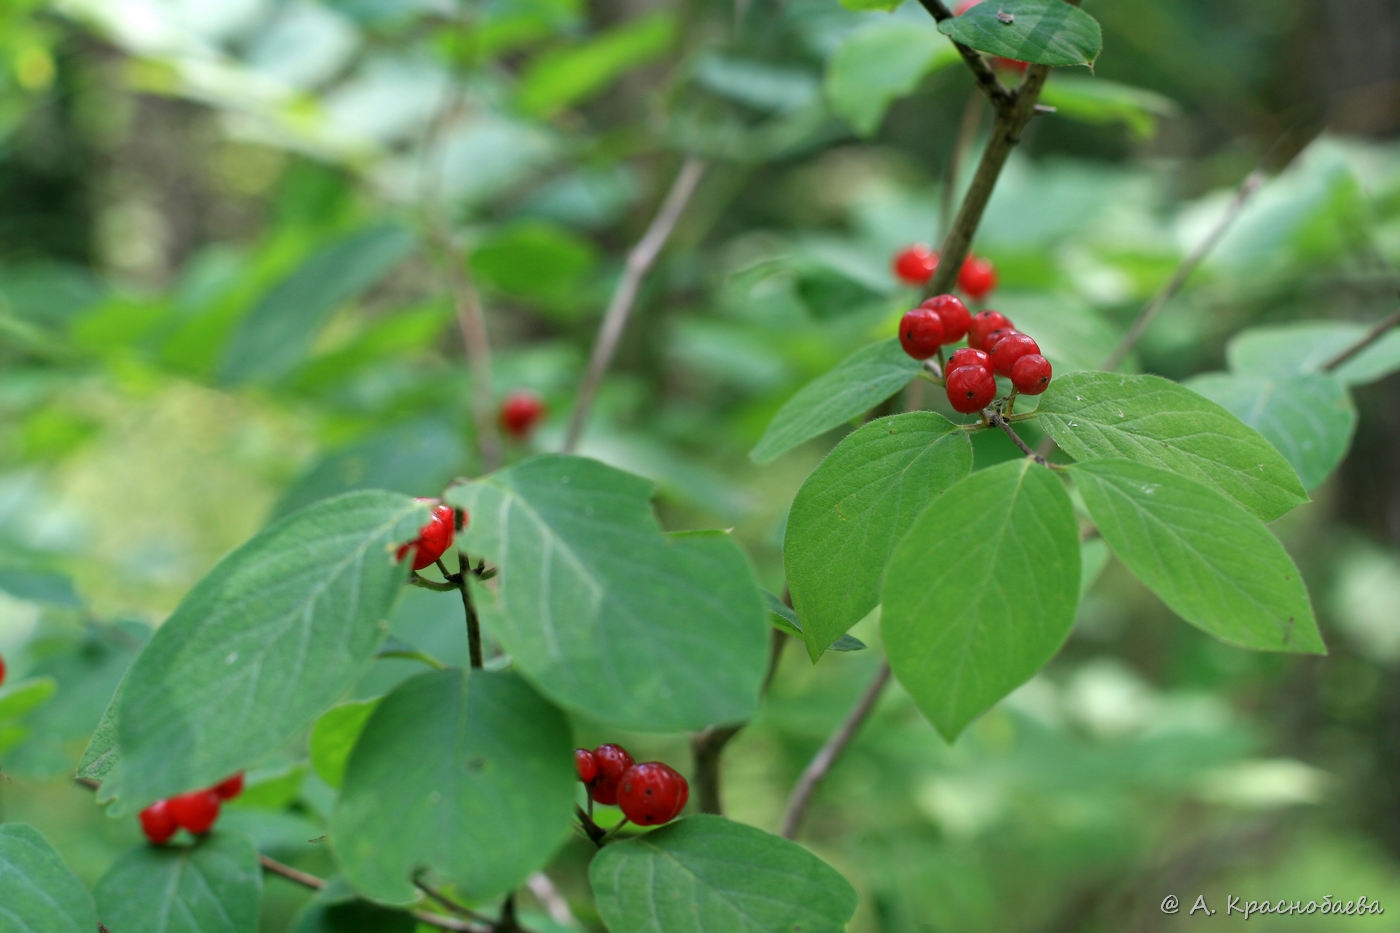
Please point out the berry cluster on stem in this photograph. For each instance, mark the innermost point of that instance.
(195, 811)
(994, 348)
(649, 794)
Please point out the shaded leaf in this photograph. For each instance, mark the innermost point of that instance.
(212, 886)
(38, 894)
(335, 734)
(879, 64)
(1292, 349)
(564, 76)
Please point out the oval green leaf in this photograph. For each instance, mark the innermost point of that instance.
(877, 65)
(38, 894)
(1214, 564)
(1306, 347)
(706, 874)
(855, 507)
(858, 383)
(468, 776)
(335, 734)
(212, 886)
(1152, 420)
(1042, 32)
(276, 632)
(1309, 418)
(604, 613)
(982, 591)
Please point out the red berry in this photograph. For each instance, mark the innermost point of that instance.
(2, 669)
(915, 264)
(586, 765)
(1031, 374)
(989, 342)
(970, 388)
(968, 356)
(921, 333)
(953, 313)
(195, 811)
(434, 538)
(520, 411)
(977, 277)
(983, 323)
(229, 788)
(157, 823)
(613, 762)
(1009, 349)
(652, 793)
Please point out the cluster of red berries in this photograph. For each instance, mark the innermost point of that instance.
(994, 348)
(520, 412)
(435, 537)
(195, 811)
(650, 793)
(916, 265)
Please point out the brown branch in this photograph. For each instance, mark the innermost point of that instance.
(707, 746)
(449, 903)
(294, 875)
(1251, 184)
(548, 895)
(826, 756)
(639, 261)
(997, 420)
(1000, 97)
(1362, 342)
(473, 620)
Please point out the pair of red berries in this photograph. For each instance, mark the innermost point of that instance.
(994, 347)
(195, 811)
(650, 793)
(435, 537)
(520, 412)
(916, 265)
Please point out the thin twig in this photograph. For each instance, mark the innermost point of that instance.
(639, 260)
(449, 903)
(473, 620)
(466, 301)
(1251, 184)
(548, 895)
(707, 746)
(291, 874)
(1000, 97)
(1362, 342)
(417, 579)
(998, 420)
(826, 756)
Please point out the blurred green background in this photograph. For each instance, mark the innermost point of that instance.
(220, 300)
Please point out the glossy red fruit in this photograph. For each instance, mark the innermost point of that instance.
(520, 412)
(977, 277)
(652, 793)
(967, 356)
(921, 333)
(195, 811)
(1011, 348)
(915, 264)
(953, 313)
(157, 823)
(586, 765)
(2, 669)
(1031, 374)
(970, 388)
(434, 538)
(613, 762)
(989, 342)
(229, 788)
(983, 323)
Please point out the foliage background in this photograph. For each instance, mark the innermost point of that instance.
(219, 301)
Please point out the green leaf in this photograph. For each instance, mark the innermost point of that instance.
(604, 613)
(212, 886)
(982, 591)
(36, 584)
(877, 65)
(1094, 100)
(465, 774)
(851, 512)
(23, 698)
(856, 384)
(278, 332)
(1293, 349)
(706, 874)
(271, 637)
(861, 6)
(1310, 419)
(785, 620)
(537, 261)
(336, 909)
(38, 894)
(565, 76)
(335, 734)
(1155, 421)
(1214, 564)
(1042, 32)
